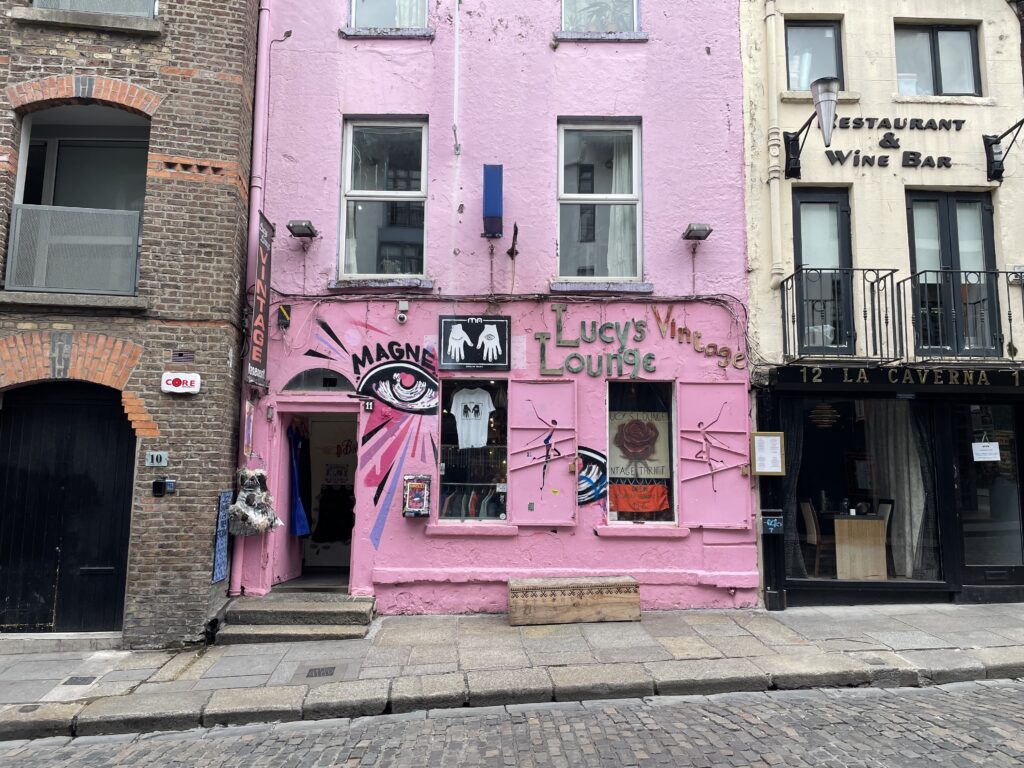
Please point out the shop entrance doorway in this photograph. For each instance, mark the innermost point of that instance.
(987, 482)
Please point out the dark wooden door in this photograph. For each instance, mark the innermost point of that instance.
(67, 455)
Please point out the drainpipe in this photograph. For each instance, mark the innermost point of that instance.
(1018, 6)
(771, 17)
(257, 174)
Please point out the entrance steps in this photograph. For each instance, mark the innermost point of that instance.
(296, 616)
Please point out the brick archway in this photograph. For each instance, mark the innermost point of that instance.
(53, 91)
(64, 355)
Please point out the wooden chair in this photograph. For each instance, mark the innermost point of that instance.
(814, 535)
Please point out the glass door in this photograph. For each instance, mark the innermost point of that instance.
(988, 493)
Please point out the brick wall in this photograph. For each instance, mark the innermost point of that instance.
(195, 81)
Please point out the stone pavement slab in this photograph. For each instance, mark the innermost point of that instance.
(680, 678)
(37, 721)
(263, 705)
(356, 698)
(1001, 663)
(409, 694)
(518, 686)
(813, 670)
(600, 681)
(945, 666)
(142, 712)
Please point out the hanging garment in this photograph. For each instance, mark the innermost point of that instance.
(337, 514)
(472, 409)
(299, 524)
(638, 498)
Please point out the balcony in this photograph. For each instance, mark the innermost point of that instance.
(73, 250)
(959, 314)
(840, 313)
(143, 8)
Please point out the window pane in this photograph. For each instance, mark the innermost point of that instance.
(819, 236)
(100, 175)
(598, 241)
(956, 61)
(387, 159)
(598, 16)
(474, 456)
(384, 238)
(914, 62)
(969, 232)
(390, 13)
(812, 54)
(607, 155)
(640, 463)
(927, 247)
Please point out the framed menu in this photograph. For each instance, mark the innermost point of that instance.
(768, 454)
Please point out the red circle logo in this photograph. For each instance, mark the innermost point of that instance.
(176, 382)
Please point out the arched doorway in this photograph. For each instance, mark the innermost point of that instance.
(67, 457)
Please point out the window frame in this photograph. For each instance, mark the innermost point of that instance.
(675, 480)
(352, 17)
(635, 198)
(933, 42)
(634, 30)
(348, 193)
(837, 26)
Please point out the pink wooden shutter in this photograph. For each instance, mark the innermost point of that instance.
(714, 447)
(542, 433)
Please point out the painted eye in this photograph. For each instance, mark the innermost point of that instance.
(402, 386)
(592, 483)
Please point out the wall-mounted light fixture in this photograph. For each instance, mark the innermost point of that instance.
(825, 94)
(995, 154)
(493, 221)
(302, 228)
(697, 232)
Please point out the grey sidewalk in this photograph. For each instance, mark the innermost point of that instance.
(423, 662)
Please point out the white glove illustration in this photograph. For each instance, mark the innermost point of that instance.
(457, 341)
(490, 342)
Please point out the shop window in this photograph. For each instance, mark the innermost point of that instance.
(813, 50)
(389, 14)
(601, 16)
(640, 459)
(599, 201)
(937, 61)
(859, 496)
(474, 452)
(385, 198)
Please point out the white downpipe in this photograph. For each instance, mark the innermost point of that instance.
(771, 20)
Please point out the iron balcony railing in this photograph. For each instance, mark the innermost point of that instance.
(146, 8)
(840, 313)
(960, 314)
(73, 250)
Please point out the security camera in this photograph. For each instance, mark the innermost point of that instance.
(402, 318)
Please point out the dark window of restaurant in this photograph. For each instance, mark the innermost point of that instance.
(937, 61)
(813, 50)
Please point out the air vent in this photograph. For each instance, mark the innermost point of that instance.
(321, 672)
(183, 356)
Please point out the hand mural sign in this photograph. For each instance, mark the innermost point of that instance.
(474, 343)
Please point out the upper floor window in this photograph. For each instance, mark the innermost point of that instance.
(599, 201)
(607, 16)
(937, 61)
(813, 50)
(389, 14)
(385, 198)
(146, 8)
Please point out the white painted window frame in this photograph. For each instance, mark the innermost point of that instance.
(636, 19)
(352, 16)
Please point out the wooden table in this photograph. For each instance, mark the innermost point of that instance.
(860, 547)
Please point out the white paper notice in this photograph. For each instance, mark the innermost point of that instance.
(767, 454)
(985, 451)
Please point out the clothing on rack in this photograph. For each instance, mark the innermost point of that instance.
(299, 518)
(472, 409)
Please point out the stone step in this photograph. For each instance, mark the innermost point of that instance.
(300, 612)
(233, 634)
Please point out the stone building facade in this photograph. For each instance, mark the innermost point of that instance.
(124, 158)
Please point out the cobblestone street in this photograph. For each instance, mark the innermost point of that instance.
(961, 724)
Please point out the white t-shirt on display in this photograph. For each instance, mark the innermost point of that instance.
(472, 409)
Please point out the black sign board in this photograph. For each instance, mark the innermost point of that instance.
(474, 343)
(901, 379)
(771, 522)
(259, 328)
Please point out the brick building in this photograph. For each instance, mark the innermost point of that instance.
(124, 156)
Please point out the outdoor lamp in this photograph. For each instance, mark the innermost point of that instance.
(302, 228)
(697, 232)
(995, 154)
(825, 94)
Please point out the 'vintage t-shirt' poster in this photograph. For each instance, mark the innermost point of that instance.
(638, 445)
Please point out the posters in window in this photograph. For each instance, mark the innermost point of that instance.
(474, 343)
(638, 445)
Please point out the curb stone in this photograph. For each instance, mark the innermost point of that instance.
(355, 698)
(142, 712)
(241, 706)
(36, 721)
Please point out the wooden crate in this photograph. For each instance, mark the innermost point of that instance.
(572, 601)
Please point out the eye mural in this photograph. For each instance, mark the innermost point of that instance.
(401, 377)
(592, 483)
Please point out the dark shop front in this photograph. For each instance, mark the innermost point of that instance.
(898, 484)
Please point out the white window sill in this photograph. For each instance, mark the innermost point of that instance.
(409, 283)
(597, 286)
(83, 300)
(467, 528)
(972, 101)
(600, 37)
(387, 33)
(105, 22)
(640, 531)
(796, 97)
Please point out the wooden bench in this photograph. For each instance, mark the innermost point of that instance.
(571, 601)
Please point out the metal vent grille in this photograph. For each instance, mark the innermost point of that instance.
(118, 7)
(183, 356)
(321, 672)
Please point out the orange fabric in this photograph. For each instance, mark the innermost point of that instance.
(638, 498)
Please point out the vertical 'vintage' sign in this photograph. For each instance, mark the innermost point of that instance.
(259, 333)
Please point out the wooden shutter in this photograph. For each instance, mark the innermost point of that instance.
(542, 433)
(714, 448)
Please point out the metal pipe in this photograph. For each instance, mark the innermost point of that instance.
(774, 143)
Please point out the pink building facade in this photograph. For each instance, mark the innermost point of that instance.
(448, 411)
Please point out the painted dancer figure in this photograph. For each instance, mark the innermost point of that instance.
(548, 442)
(709, 441)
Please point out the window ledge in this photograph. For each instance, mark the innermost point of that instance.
(577, 286)
(387, 33)
(633, 531)
(74, 300)
(382, 284)
(601, 37)
(105, 22)
(471, 529)
(845, 97)
(973, 101)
